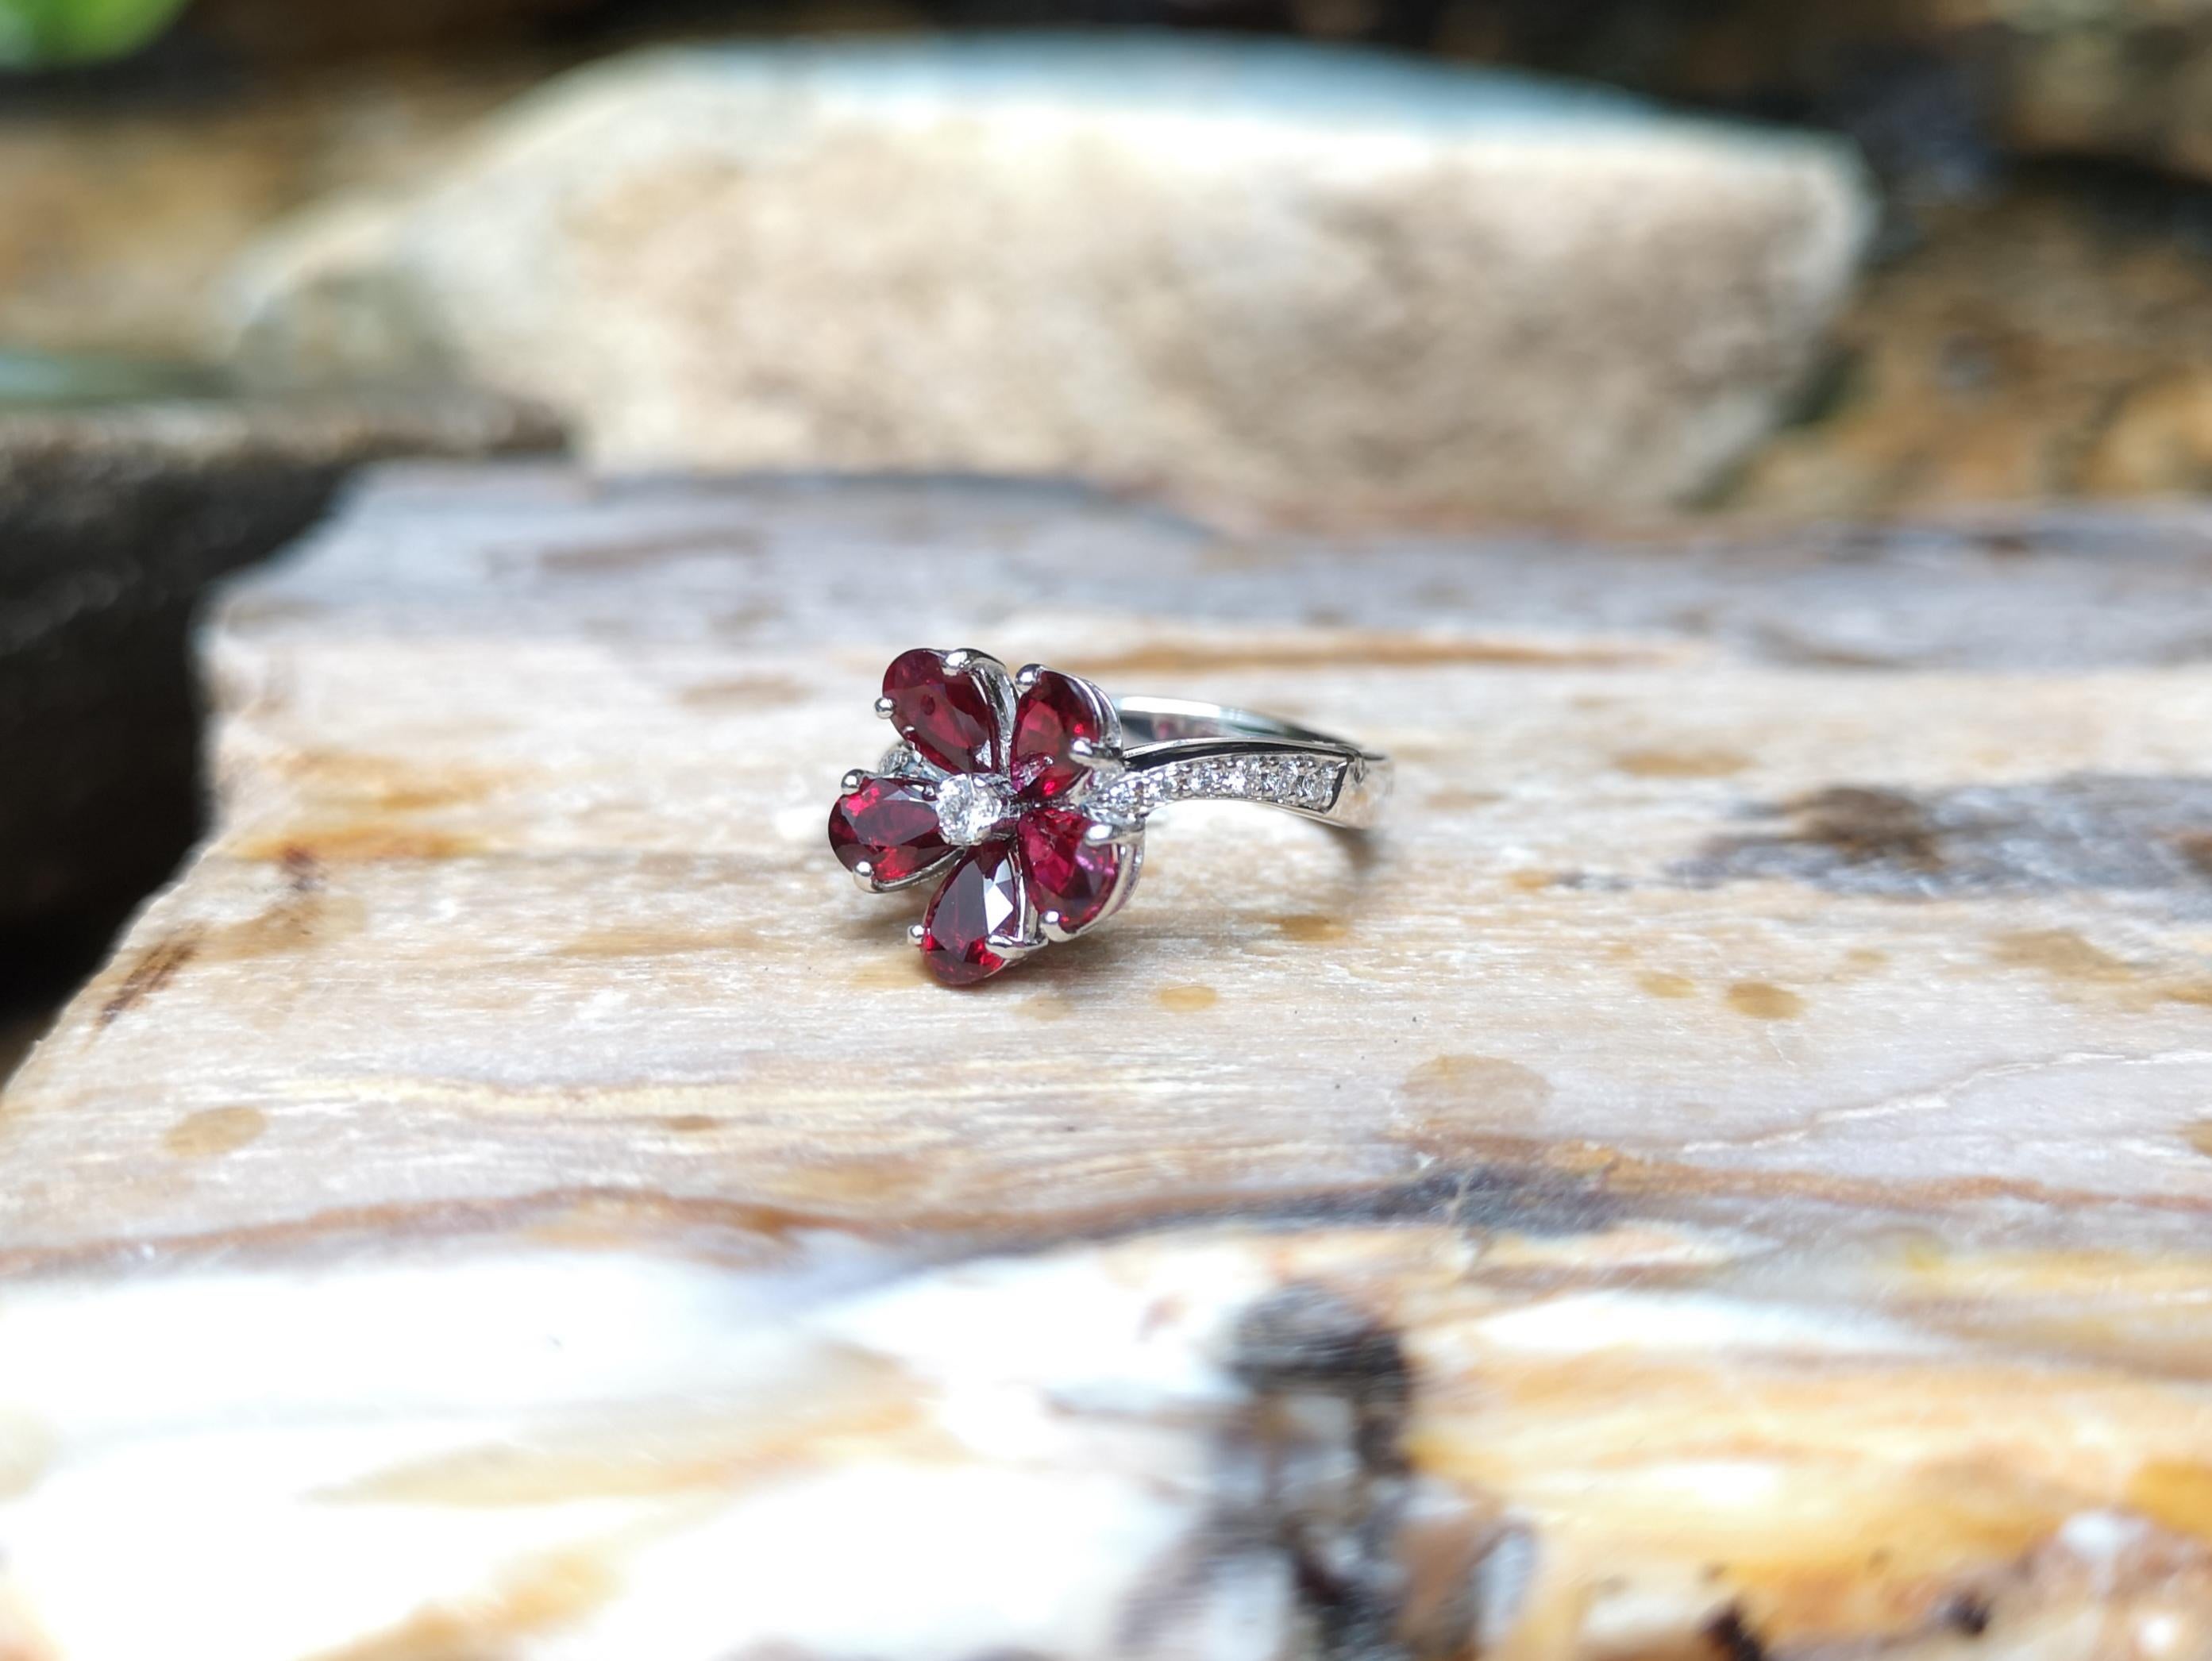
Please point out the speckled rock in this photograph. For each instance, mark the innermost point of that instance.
(1935, 89)
(1724, 1173)
(2033, 347)
(1320, 282)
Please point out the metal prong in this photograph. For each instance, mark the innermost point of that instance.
(1098, 833)
(957, 659)
(916, 933)
(854, 780)
(883, 708)
(1096, 759)
(1028, 676)
(864, 874)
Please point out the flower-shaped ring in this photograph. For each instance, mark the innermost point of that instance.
(1028, 794)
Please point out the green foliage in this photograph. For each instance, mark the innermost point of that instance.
(37, 32)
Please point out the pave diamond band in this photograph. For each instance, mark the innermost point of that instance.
(1304, 784)
(1023, 797)
(1178, 750)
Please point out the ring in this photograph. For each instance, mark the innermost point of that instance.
(1030, 792)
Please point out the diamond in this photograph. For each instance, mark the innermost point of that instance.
(970, 807)
(901, 758)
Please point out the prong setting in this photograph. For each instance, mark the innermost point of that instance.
(1094, 758)
(1053, 927)
(875, 884)
(1027, 842)
(1005, 700)
(865, 879)
(979, 808)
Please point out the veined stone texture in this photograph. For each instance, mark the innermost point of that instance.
(1313, 280)
(1721, 1171)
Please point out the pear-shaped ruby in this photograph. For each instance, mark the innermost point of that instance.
(889, 824)
(981, 898)
(946, 715)
(1068, 873)
(1056, 710)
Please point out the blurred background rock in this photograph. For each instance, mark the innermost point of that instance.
(1717, 256)
(2036, 318)
(1255, 277)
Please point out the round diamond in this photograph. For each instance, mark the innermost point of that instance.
(969, 807)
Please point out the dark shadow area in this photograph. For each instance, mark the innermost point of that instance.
(42, 966)
(117, 514)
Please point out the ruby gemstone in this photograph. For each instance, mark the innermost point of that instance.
(889, 824)
(947, 716)
(1067, 874)
(982, 897)
(1056, 711)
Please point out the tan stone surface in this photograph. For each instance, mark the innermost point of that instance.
(1322, 284)
(1728, 1168)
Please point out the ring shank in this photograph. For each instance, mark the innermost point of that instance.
(1160, 721)
(1180, 750)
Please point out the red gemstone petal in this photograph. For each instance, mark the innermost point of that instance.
(1067, 874)
(982, 897)
(890, 826)
(1056, 711)
(948, 717)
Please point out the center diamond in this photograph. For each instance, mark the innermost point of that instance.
(970, 807)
